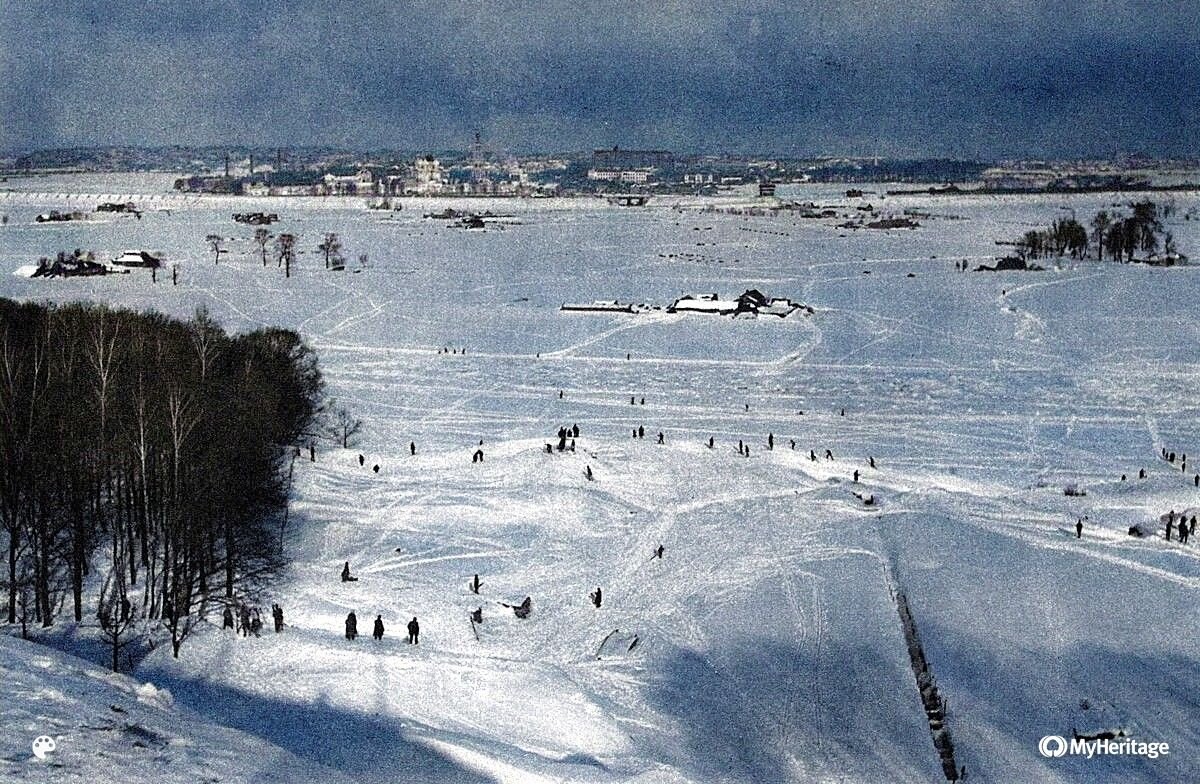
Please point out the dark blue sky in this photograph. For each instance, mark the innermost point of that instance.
(962, 78)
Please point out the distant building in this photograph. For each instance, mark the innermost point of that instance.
(429, 177)
(627, 176)
(616, 158)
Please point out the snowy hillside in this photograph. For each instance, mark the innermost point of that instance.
(111, 728)
(765, 644)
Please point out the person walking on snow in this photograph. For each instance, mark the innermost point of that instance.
(414, 631)
(351, 626)
(1079, 528)
(377, 633)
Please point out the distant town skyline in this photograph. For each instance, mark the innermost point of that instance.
(986, 80)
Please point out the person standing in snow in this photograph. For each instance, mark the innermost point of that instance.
(227, 618)
(641, 431)
(588, 473)
(414, 631)
(770, 440)
(660, 437)
(245, 620)
(412, 448)
(1079, 528)
(277, 615)
(361, 460)
(856, 476)
(351, 626)
(377, 633)
(710, 442)
(658, 553)
(346, 578)
(597, 597)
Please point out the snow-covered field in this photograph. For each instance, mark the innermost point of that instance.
(769, 648)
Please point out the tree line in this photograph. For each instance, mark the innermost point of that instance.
(147, 463)
(1117, 235)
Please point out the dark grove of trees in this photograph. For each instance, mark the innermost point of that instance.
(1117, 235)
(151, 450)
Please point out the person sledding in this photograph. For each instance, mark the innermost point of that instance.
(346, 578)
(521, 610)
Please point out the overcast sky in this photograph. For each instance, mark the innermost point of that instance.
(962, 78)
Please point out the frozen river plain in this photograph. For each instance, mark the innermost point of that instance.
(769, 646)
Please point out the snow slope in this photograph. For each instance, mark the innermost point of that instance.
(768, 643)
(111, 728)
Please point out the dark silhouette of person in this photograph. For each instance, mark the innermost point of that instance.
(658, 553)
(245, 620)
(710, 442)
(227, 618)
(346, 578)
(376, 468)
(277, 616)
(856, 476)
(1142, 473)
(871, 461)
(351, 626)
(575, 431)
(414, 631)
(597, 597)
(588, 473)
(477, 615)
(412, 447)
(377, 633)
(312, 453)
(770, 440)
(361, 460)
(828, 454)
(660, 437)
(523, 609)
(1079, 528)
(477, 457)
(641, 432)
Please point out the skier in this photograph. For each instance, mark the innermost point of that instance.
(658, 553)
(227, 618)
(277, 616)
(741, 448)
(475, 584)
(812, 455)
(871, 461)
(588, 473)
(414, 631)
(1079, 528)
(378, 631)
(523, 609)
(477, 615)
(597, 597)
(828, 454)
(346, 578)
(351, 626)
(710, 442)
